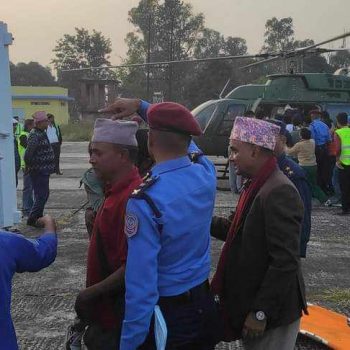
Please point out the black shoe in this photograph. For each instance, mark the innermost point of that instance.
(31, 221)
(34, 223)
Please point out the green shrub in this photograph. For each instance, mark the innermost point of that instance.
(78, 131)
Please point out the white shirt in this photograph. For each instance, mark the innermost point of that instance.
(290, 127)
(52, 134)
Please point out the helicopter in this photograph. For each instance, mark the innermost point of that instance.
(297, 91)
(303, 91)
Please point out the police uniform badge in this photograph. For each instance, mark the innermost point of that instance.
(131, 225)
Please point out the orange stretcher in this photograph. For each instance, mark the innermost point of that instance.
(326, 327)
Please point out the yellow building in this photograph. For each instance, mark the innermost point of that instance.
(52, 99)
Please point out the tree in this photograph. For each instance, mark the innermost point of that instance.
(340, 60)
(235, 46)
(169, 30)
(31, 74)
(82, 50)
(209, 44)
(279, 34)
(210, 77)
(311, 63)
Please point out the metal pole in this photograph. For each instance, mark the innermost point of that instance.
(149, 50)
(8, 200)
(170, 82)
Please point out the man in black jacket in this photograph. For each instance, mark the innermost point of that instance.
(40, 164)
(259, 279)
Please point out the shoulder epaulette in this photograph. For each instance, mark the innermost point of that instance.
(288, 171)
(294, 172)
(148, 181)
(194, 156)
(140, 193)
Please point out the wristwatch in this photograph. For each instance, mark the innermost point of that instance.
(260, 316)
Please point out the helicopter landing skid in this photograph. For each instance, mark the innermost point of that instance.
(222, 172)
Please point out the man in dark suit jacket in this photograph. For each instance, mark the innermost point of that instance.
(258, 279)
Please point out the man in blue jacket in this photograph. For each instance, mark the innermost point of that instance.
(20, 254)
(322, 136)
(297, 175)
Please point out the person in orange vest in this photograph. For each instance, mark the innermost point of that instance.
(342, 137)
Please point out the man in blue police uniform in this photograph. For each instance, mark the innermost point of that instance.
(168, 229)
(296, 174)
(20, 254)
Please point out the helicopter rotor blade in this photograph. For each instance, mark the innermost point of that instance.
(165, 63)
(306, 48)
(267, 57)
(268, 60)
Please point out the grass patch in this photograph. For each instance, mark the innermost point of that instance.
(81, 131)
(338, 296)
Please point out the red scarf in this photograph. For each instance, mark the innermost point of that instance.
(244, 203)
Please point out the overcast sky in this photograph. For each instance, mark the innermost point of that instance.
(36, 25)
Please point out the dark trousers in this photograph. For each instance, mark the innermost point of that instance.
(97, 338)
(27, 196)
(41, 190)
(311, 175)
(56, 147)
(322, 159)
(194, 325)
(329, 172)
(344, 181)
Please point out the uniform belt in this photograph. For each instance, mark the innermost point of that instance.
(186, 297)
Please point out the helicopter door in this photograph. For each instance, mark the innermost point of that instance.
(224, 128)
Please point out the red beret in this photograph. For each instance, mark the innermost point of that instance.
(173, 117)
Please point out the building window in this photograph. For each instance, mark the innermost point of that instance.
(40, 103)
(63, 104)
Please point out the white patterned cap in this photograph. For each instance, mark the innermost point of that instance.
(255, 131)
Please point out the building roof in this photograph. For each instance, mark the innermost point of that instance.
(42, 97)
(40, 93)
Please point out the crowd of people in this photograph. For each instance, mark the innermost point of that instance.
(320, 145)
(148, 269)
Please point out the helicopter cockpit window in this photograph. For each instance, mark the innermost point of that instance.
(232, 112)
(204, 116)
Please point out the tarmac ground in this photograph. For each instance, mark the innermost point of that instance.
(42, 306)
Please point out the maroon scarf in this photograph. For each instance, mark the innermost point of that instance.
(244, 203)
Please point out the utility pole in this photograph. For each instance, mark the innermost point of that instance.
(171, 57)
(149, 10)
(8, 200)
